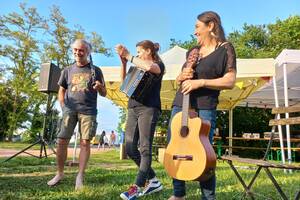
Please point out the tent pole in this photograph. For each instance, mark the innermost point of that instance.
(230, 130)
(286, 103)
(278, 117)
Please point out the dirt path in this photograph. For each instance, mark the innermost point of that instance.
(11, 152)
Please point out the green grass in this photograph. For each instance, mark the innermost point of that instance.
(106, 177)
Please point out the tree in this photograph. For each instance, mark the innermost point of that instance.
(163, 121)
(24, 48)
(186, 44)
(252, 42)
(122, 120)
(58, 49)
(284, 34)
(261, 41)
(6, 106)
(21, 48)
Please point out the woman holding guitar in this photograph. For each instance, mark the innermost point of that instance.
(142, 117)
(214, 69)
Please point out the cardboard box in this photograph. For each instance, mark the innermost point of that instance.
(267, 135)
(246, 135)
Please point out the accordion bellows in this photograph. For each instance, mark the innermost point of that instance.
(137, 83)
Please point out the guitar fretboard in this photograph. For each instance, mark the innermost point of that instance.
(185, 109)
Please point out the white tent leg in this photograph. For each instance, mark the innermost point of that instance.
(278, 117)
(286, 103)
(230, 131)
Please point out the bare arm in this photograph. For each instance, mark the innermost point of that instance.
(225, 82)
(146, 65)
(61, 96)
(123, 68)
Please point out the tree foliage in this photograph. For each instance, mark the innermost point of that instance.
(262, 41)
(122, 120)
(185, 44)
(20, 48)
(58, 47)
(28, 40)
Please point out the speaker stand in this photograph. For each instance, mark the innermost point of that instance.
(41, 141)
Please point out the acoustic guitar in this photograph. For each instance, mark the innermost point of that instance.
(189, 155)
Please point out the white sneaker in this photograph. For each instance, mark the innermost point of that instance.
(153, 186)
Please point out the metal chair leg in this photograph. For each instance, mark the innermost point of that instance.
(275, 183)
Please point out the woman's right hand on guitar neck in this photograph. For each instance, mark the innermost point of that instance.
(186, 74)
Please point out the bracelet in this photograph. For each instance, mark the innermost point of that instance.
(131, 60)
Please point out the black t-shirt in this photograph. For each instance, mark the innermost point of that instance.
(213, 66)
(152, 98)
(80, 96)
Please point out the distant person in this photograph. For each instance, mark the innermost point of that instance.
(112, 139)
(101, 139)
(79, 85)
(142, 118)
(106, 142)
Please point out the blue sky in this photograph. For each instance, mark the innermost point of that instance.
(130, 21)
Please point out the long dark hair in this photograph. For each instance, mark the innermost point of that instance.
(154, 47)
(212, 17)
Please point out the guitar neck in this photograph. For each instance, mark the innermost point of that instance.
(185, 109)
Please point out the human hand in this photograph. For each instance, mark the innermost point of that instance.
(187, 73)
(189, 85)
(98, 86)
(122, 51)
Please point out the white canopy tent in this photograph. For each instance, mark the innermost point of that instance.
(284, 90)
(264, 97)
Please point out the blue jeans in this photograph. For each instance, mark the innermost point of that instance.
(208, 187)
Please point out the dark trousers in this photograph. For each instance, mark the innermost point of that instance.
(140, 129)
(207, 187)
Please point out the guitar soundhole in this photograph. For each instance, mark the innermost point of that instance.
(184, 131)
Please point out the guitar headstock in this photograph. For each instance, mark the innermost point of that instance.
(192, 58)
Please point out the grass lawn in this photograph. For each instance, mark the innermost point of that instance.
(107, 176)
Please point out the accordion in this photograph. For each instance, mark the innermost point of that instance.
(137, 83)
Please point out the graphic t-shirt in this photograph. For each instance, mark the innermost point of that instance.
(80, 95)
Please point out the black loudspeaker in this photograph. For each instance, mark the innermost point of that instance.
(49, 76)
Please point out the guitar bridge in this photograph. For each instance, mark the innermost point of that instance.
(181, 157)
